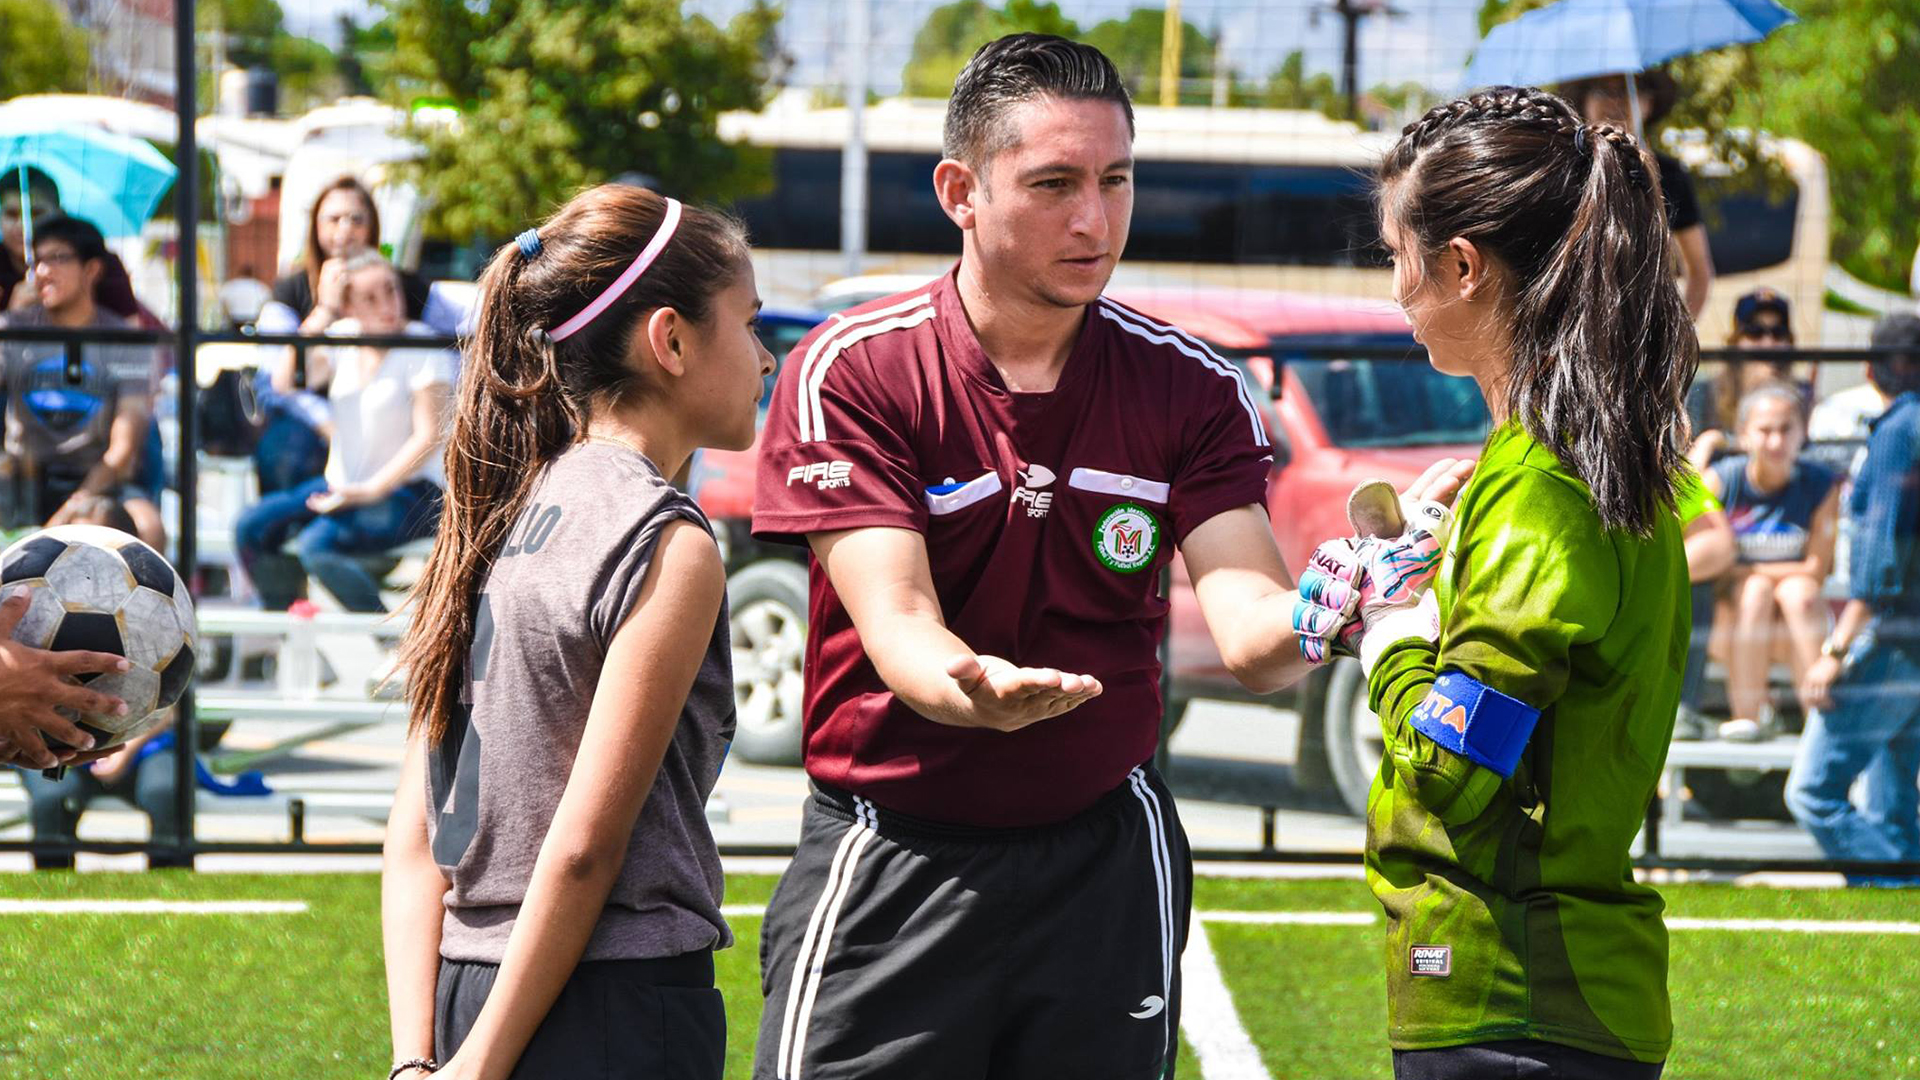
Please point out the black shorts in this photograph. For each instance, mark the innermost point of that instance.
(903, 948)
(1518, 1059)
(613, 1020)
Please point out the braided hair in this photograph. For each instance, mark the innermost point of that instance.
(1603, 346)
(523, 398)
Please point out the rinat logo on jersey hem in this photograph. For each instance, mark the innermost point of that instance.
(1126, 537)
(1435, 961)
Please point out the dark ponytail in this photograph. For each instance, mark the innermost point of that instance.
(1603, 346)
(522, 399)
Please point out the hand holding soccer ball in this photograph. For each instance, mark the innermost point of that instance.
(94, 606)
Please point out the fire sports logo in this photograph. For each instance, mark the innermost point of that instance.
(824, 475)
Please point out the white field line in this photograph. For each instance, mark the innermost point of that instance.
(754, 911)
(1290, 918)
(1796, 926)
(1209, 1019)
(1363, 918)
(153, 907)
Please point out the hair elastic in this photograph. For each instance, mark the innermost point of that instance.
(1580, 139)
(668, 222)
(529, 242)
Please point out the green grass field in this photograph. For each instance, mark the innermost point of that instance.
(303, 996)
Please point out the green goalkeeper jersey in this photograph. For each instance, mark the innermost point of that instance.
(1512, 908)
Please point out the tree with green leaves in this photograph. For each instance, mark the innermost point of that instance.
(1290, 87)
(1134, 44)
(1841, 80)
(556, 95)
(45, 53)
(253, 34)
(366, 55)
(952, 32)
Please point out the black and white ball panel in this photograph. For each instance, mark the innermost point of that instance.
(44, 612)
(30, 558)
(102, 590)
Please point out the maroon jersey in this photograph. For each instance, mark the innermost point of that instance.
(1047, 519)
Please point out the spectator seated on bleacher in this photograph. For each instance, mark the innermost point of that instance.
(74, 431)
(342, 223)
(1784, 509)
(1762, 328)
(136, 772)
(384, 475)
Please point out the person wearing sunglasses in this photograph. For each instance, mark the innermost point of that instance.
(1763, 324)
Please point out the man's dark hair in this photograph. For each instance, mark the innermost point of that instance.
(1018, 68)
(40, 188)
(81, 236)
(1899, 372)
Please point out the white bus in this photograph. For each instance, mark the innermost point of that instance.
(1244, 198)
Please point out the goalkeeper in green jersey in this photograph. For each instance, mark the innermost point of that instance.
(1524, 652)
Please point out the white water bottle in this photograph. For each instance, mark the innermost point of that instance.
(300, 654)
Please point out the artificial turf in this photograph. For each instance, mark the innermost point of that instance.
(303, 996)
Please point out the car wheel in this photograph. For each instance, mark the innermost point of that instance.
(767, 602)
(1354, 745)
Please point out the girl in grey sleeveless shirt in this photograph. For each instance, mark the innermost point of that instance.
(551, 893)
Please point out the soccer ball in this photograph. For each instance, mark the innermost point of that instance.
(99, 589)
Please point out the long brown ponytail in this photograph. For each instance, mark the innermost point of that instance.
(522, 399)
(1603, 347)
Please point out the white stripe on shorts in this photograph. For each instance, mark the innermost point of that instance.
(1163, 882)
(811, 961)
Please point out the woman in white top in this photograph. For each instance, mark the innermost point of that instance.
(384, 475)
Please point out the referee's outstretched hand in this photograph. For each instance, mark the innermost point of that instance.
(1005, 697)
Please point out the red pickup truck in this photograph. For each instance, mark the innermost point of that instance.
(1355, 400)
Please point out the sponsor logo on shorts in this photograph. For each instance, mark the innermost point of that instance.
(1150, 1006)
(1125, 538)
(1435, 961)
(822, 474)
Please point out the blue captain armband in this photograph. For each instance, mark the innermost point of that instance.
(1476, 721)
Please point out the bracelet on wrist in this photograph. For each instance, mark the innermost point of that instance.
(423, 1064)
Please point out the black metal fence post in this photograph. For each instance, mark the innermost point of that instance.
(186, 201)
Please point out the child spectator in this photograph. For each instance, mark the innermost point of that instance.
(343, 223)
(383, 477)
(1784, 511)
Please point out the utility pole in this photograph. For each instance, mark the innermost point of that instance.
(1351, 13)
(1170, 42)
(1222, 77)
(853, 157)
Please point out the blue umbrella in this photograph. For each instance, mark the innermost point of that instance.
(114, 181)
(1576, 39)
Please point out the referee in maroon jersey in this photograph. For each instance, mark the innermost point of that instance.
(990, 471)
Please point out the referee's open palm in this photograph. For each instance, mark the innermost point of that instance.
(1007, 697)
